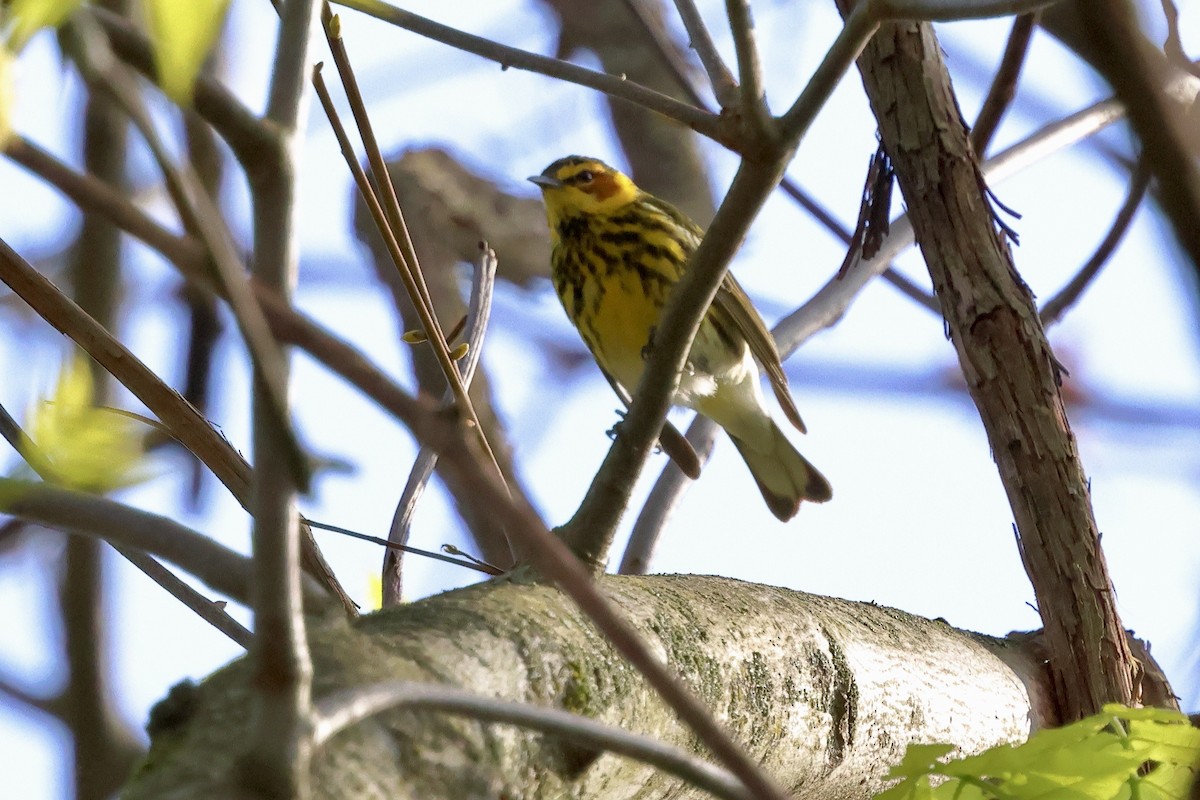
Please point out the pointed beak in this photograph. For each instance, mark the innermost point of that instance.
(545, 182)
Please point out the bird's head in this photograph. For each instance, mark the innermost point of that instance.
(577, 186)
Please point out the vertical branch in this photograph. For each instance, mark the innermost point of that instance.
(278, 759)
(1010, 370)
(103, 745)
(753, 96)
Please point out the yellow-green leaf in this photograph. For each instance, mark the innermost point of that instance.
(183, 35)
(1092, 759)
(30, 16)
(80, 446)
(8, 98)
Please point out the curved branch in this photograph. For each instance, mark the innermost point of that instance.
(1056, 306)
(724, 85)
(351, 706)
(614, 85)
(223, 570)
(1004, 83)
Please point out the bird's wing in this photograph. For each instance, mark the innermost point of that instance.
(734, 302)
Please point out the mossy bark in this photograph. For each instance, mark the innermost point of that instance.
(825, 693)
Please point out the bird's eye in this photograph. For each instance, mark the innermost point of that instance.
(585, 177)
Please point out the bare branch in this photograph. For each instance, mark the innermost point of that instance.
(753, 96)
(1009, 367)
(1004, 83)
(1128, 62)
(470, 562)
(1056, 306)
(479, 311)
(724, 86)
(389, 220)
(221, 569)
(51, 705)
(277, 757)
(206, 609)
(860, 26)
(507, 57)
(952, 10)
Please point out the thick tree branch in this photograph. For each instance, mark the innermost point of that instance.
(1010, 370)
(827, 693)
(352, 706)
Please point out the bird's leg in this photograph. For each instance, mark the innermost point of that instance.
(649, 345)
(615, 430)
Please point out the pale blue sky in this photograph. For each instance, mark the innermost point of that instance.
(919, 519)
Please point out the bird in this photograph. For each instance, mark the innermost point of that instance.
(616, 253)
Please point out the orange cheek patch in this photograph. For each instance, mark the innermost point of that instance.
(603, 187)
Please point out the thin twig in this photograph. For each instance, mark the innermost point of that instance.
(349, 707)
(91, 194)
(1057, 305)
(511, 57)
(393, 228)
(466, 408)
(663, 499)
(724, 86)
(479, 311)
(206, 609)
(1004, 84)
(753, 96)
(787, 185)
(1161, 123)
(859, 28)
(955, 10)
(474, 563)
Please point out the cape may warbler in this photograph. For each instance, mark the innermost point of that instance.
(617, 253)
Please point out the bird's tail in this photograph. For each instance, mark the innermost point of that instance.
(784, 477)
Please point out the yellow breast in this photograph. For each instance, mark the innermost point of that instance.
(613, 283)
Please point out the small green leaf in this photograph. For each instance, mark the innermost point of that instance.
(30, 16)
(8, 99)
(1093, 759)
(183, 35)
(915, 788)
(920, 759)
(80, 446)
(1153, 714)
